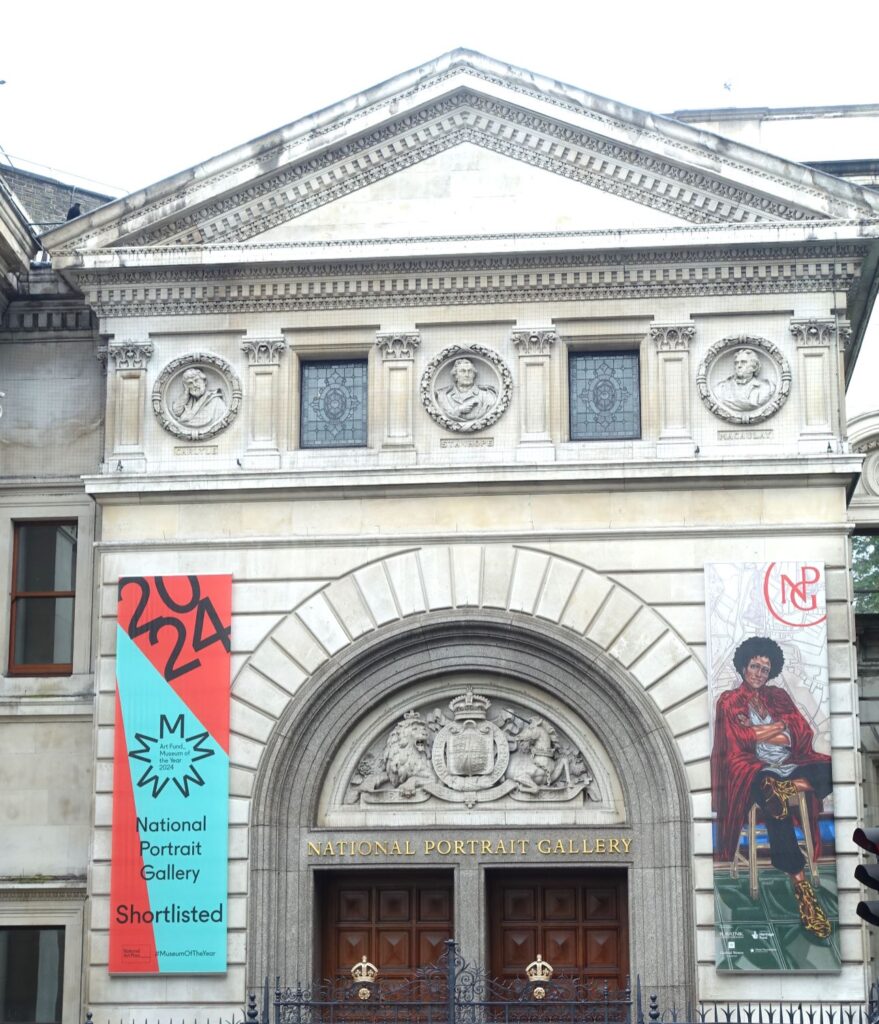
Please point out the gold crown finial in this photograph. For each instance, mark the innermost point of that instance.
(539, 971)
(364, 974)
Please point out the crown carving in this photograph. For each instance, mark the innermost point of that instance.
(469, 705)
(364, 971)
(539, 969)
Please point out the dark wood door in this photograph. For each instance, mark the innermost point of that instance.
(577, 921)
(398, 921)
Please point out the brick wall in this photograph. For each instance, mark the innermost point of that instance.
(47, 200)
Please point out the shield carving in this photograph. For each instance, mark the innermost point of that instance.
(471, 749)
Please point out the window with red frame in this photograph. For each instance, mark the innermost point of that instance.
(43, 582)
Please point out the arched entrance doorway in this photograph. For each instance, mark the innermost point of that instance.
(639, 828)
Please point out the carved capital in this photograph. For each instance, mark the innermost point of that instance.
(264, 351)
(672, 337)
(815, 332)
(131, 355)
(397, 344)
(531, 341)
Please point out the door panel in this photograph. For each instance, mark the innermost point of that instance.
(398, 921)
(577, 921)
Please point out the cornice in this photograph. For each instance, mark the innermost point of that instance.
(402, 541)
(50, 888)
(625, 170)
(690, 243)
(465, 283)
(646, 472)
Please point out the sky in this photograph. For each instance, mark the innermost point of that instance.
(116, 96)
(128, 93)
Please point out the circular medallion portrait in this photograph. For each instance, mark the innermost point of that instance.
(196, 396)
(466, 388)
(744, 379)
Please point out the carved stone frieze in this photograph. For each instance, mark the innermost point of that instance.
(476, 754)
(819, 332)
(264, 351)
(534, 341)
(496, 278)
(744, 379)
(130, 355)
(672, 337)
(398, 344)
(196, 396)
(466, 388)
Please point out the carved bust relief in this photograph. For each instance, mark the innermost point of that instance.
(466, 388)
(744, 379)
(196, 396)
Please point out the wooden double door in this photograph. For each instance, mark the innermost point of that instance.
(576, 920)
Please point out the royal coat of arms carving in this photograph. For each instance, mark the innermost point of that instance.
(476, 755)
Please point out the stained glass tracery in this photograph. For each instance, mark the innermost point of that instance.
(604, 396)
(333, 403)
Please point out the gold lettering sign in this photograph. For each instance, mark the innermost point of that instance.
(571, 846)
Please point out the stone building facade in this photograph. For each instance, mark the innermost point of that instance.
(447, 376)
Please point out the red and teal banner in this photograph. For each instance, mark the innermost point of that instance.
(168, 884)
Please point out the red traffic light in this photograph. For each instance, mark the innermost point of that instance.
(867, 839)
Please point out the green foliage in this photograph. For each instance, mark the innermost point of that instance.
(865, 569)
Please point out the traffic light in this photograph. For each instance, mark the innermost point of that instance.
(868, 874)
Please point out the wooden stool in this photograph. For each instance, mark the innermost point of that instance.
(751, 860)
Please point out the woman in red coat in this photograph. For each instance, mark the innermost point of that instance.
(763, 755)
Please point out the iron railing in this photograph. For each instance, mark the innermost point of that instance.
(455, 992)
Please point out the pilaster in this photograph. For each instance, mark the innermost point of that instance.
(672, 343)
(816, 381)
(126, 406)
(534, 346)
(264, 401)
(398, 386)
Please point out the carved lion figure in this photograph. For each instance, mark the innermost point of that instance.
(405, 763)
(407, 754)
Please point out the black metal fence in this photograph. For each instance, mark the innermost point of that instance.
(455, 992)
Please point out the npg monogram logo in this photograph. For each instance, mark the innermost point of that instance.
(794, 593)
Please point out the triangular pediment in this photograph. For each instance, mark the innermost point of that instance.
(508, 143)
(466, 190)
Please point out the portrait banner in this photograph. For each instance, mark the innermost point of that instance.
(775, 892)
(168, 877)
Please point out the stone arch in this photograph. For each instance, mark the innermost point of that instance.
(520, 611)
